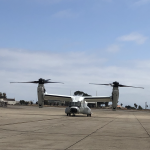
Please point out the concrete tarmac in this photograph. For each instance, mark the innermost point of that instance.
(48, 128)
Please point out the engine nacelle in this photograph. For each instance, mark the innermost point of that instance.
(115, 96)
(40, 92)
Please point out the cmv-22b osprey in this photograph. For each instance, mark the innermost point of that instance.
(78, 104)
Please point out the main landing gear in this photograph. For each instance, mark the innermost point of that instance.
(88, 115)
(69, 114)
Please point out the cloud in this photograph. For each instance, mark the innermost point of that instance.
(135, 37)
(76, 70)
(145, 64)
(141, 2)
(28, 60)
(113, 48)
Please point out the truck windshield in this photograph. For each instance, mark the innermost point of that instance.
(77, 104)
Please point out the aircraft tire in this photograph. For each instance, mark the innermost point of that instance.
(67, 114)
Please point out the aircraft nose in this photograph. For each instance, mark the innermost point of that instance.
(73, 110)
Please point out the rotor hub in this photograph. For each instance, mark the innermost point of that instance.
(41, 81)
(115, 84)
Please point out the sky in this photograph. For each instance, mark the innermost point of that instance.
(76, 42)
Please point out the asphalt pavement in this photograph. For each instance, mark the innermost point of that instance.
(49, 128)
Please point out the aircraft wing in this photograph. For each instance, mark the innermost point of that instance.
(98, 99)
(57, 97)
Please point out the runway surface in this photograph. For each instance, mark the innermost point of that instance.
(48, 128)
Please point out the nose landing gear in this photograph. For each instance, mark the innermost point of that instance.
(68, 114)
(88, 115)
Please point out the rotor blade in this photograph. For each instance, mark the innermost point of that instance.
(26, 82)
(47, 79)
(129, 86)
(99, 84)
(54, 82)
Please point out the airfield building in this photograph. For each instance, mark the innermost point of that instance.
(9, 101)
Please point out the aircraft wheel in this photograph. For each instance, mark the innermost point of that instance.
(87, 115)
(67, 114)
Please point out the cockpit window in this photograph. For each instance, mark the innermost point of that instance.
(77, 104)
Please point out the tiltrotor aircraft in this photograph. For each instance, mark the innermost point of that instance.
(78, 104)
(115, 92)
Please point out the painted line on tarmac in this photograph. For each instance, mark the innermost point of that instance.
(29, 121)
(142, 126)
(24, 132)
(91, 133)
